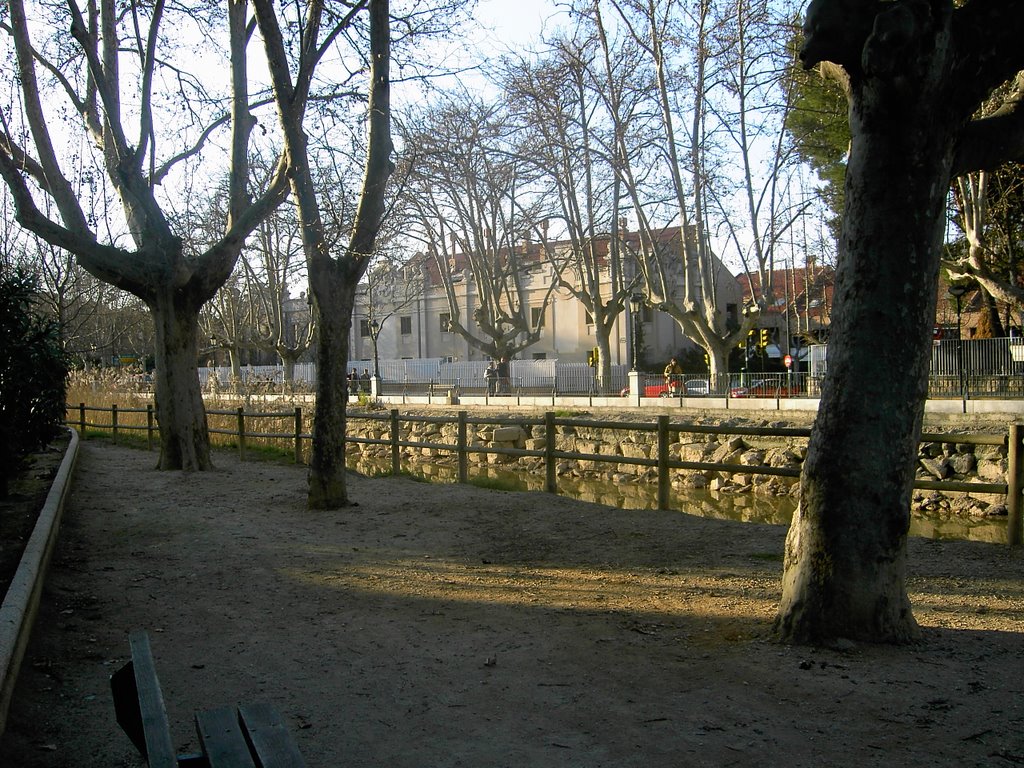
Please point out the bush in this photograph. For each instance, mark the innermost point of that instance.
(33, 374)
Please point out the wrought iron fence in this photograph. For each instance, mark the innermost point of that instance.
(960, 369)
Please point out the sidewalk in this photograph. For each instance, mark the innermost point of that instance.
(452, 626)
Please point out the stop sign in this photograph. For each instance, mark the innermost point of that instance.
(788, 361)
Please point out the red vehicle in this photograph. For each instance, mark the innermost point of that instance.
(653, 390)
(692, 387)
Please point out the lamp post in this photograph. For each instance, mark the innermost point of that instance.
(636, 302)
(957, 292)
(374, 335)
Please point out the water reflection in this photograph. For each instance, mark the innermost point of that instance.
(749, 508)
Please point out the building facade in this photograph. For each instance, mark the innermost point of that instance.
(420, 322)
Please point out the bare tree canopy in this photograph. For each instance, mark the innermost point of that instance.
(110, 119)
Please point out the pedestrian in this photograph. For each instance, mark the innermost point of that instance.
(491, 377)
(504, 376)
(365, 379)
(673, 376)
(353, 382)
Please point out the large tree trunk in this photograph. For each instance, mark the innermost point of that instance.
(184, 440)
(327, 488)
(845, 558)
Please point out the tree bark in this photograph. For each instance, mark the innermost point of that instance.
(184, 440)
(845, 560)
(327, 487)
(332, 282)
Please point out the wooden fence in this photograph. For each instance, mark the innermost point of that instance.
(241, 422)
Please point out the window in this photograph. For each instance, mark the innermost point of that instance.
(540, 355)
(590, 317)
(537, 317)
(446, 322)
(364, 327)
(406, 324)
(731, 317)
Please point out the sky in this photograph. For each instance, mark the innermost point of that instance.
(516, 22)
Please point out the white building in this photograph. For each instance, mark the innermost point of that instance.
(410, 312)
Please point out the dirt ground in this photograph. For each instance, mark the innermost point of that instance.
(453, 626)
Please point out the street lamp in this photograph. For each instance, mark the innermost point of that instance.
(957, 292)
(636, 302)
(374, 335)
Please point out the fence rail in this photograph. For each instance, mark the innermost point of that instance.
(241, 421)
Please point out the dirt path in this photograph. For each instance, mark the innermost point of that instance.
(453, 626)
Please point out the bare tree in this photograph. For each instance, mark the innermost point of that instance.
(227, 322)
(988, 207)
(916, 71)
(273, 264)
(332, 280)
(565, 135)
(107, 75)
(474, 210)
(716, 94)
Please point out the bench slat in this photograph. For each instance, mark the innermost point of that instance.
(159, 749)
(221, 736)
(269, 737)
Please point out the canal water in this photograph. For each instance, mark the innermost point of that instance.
(745, 507)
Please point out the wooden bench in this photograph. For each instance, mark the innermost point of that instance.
(249, 736)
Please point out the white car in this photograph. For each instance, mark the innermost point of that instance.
(698, 387)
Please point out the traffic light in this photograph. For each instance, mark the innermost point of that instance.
(590, 358)
(763, 338)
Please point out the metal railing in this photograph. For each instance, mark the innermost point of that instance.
(960, 369)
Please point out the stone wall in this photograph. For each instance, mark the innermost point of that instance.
(942, 461)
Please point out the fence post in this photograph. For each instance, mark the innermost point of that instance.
(550, 474)
(1014, 483)
(113, 422)
(81, 419)
(463, 456)
(241, 433)
(396, 456)
(149, 426)
(298, 435)
(663, 482)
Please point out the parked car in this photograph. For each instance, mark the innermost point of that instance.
(765, 388)
(698, 387)
(691, 388)
(651, 390)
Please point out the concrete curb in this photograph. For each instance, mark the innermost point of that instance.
(18, 612)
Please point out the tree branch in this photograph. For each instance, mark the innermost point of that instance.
(108, 263)
(56, 184)
(113, 134)
(989, 142)
(987, 48)
(148, 66)
(378, 163)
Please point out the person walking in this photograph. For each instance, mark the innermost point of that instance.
(504, 376)
(673, 376)
(491, 377)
